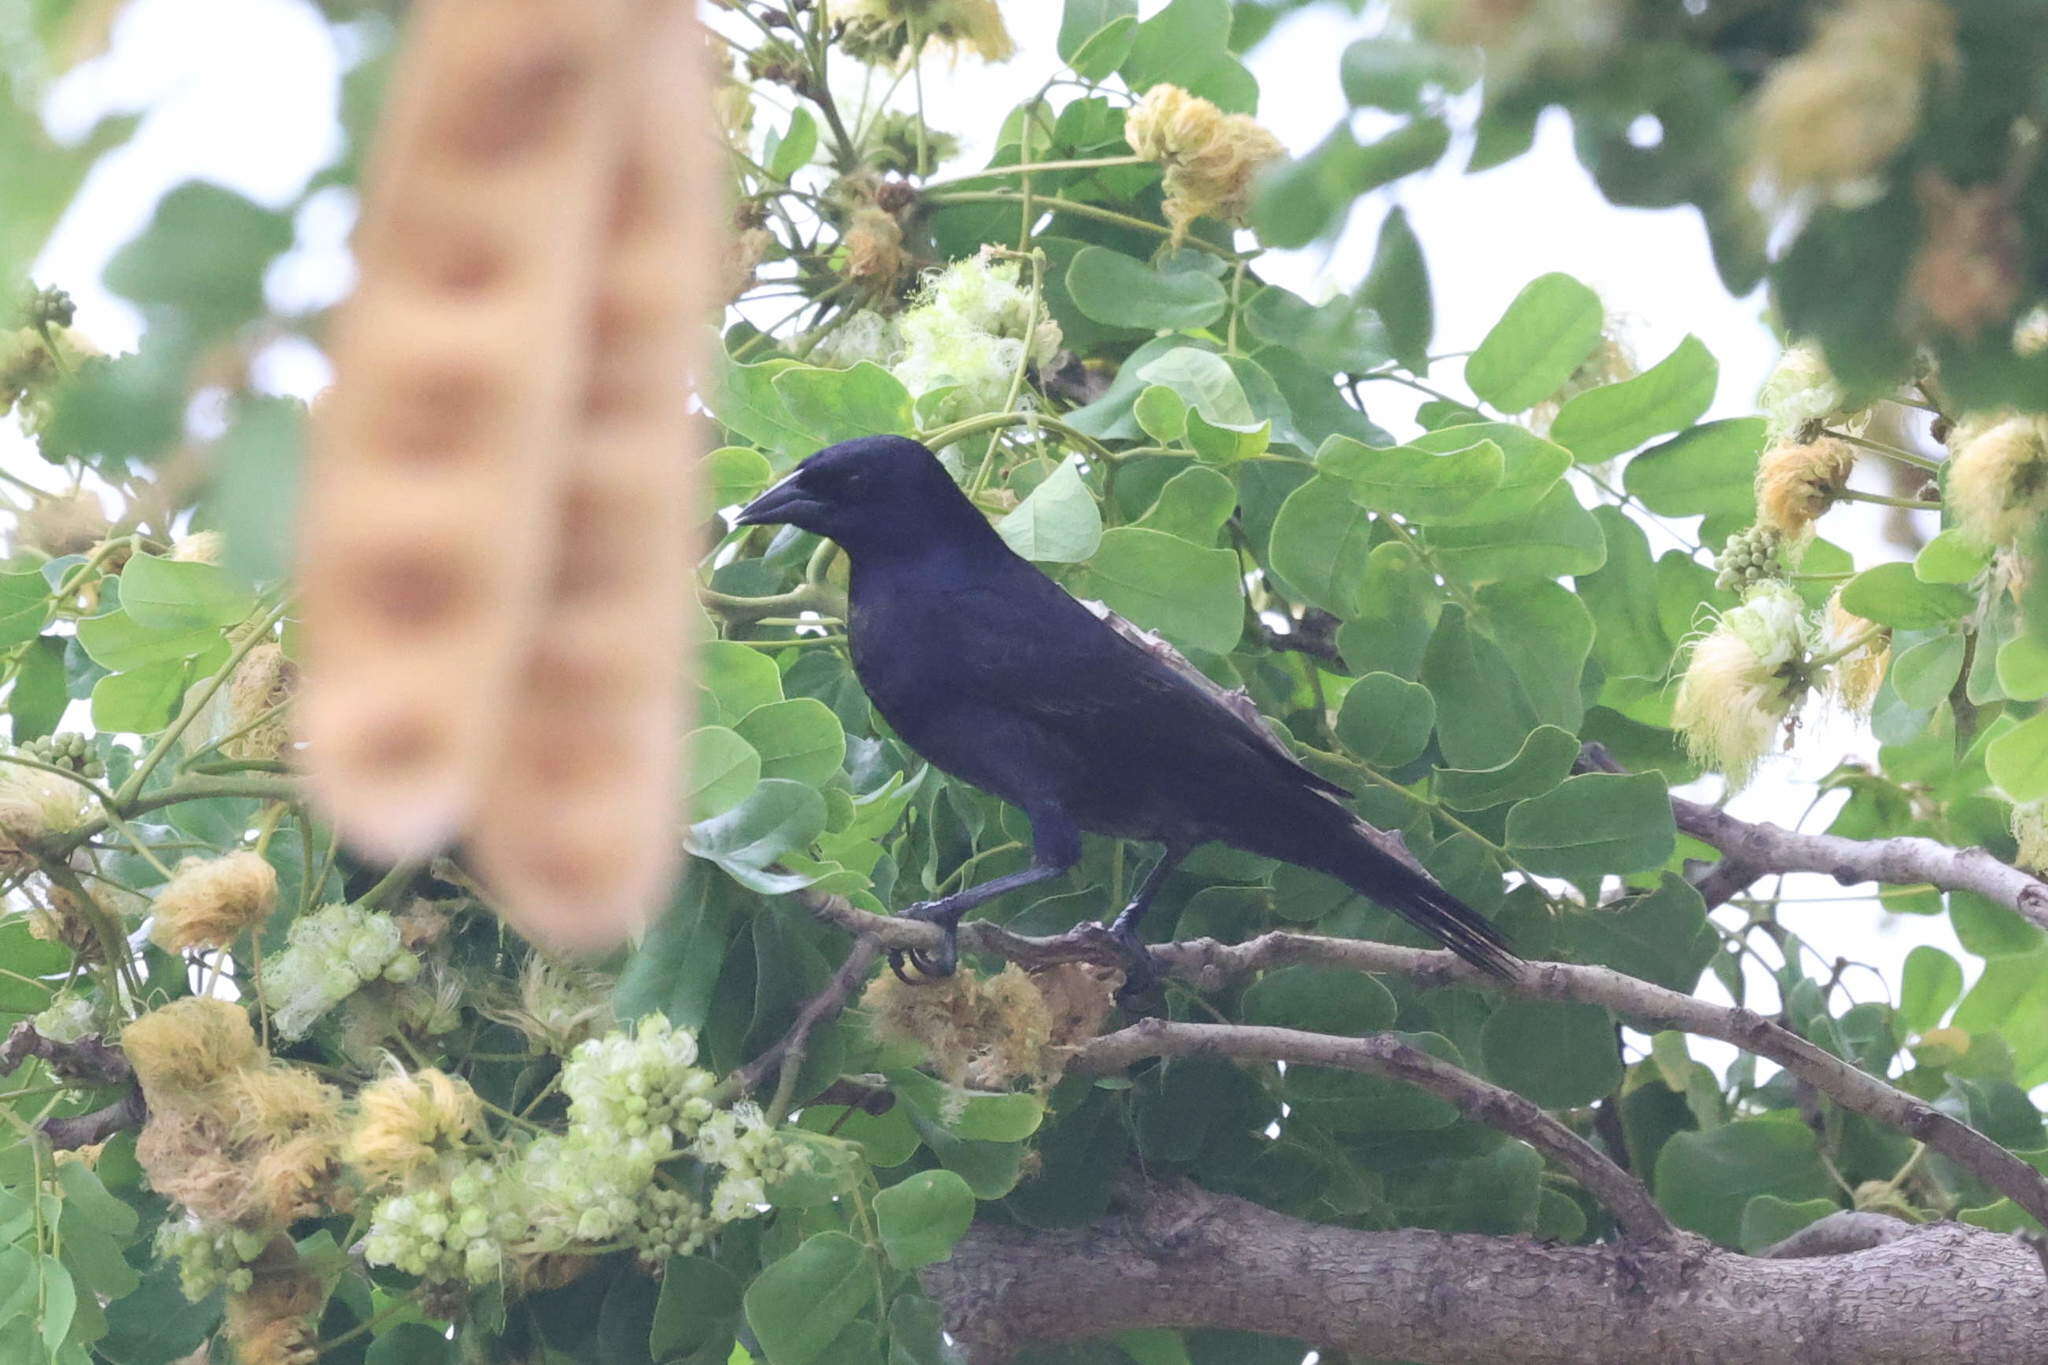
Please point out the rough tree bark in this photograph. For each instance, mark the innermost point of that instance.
(1942, 1295)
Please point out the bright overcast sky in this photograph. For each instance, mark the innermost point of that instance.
(243, 92)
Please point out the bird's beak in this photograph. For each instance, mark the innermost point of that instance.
(785, 502)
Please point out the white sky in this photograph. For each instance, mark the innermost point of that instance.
(243, 92)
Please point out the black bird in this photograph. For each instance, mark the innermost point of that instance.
(991, 671)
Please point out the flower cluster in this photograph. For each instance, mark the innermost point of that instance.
(637, 1099)
(882, 31)
(1743, 680)
(1829, 120)
(1209, 157)
(1998, 475)
(328, 956)
(1802, 393)
(450, 1231)
(210, 1256)
(209, 901)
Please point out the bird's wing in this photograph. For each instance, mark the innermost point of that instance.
(1090, 677)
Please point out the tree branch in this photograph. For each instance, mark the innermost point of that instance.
(1944, 1294)
(1208, 965)
(1843, 1231)
(1902, 861)
(786, 1056)
(1386, 1055)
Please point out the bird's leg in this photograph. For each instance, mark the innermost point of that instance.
(1141, 972)
(1055, 848)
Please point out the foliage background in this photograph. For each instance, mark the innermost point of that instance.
(1460, 650)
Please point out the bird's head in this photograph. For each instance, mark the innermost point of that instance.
(864, 493)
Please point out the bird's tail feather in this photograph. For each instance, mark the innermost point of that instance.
(1418, 898)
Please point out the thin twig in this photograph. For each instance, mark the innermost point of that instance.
(786, 1055)
(1386, 1055)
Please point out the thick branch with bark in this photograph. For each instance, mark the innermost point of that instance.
(1942, 1295)
(1759, 849)
(1386, 1055)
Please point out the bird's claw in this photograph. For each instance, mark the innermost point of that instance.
(930, 966)
(1142, 975)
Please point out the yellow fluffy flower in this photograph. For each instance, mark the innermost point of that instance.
(1856, 675)
(1998, 475)
(1830, 119)
(406, 1120)
(208, 901)
(1797, 481)
(188, 1045)
(1741, 682)
(1210, 157)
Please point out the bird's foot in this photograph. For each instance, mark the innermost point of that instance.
(939, 963)
(1140, 993)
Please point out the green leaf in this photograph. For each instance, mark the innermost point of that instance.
(1096, 35)
(1558, 536)
(1482, 716)
(1594, 825)
(254, 487)
(675, 968)
(1544, 760)
(1953, 556)
(38, 699)
(972, 1115)
(789, 152)
(117, 641)
(2023, 667)
(1545, 335)
(1204, 382)
(25, 606)
(2018, 759)
(1058, 521)
(1225, 444)
(1705, 1179)
(1545, 632)
(919, 1218)
(142, 700)
(1351, 1102)
(746, 402)
(1188, 593)
(1662, 936)
(738, 678)
(2011, 999)
(797, 1305)
(1320, 543)
(1628, 639)
(409, 1343)
(1194, 504)
(1186, 44)
(799, 739)
(1559, 1055)
(1530, 468)
(1923, 674)
(1162, 413)
(736, 474)
(778, 817)
(1397, 288)
(723, 769)
(1410, 482)
(1320, 1000)
(1399, 607)
(1614, 418)
(1709, 470)
(1768, 1220)
(1386, 720)
(201, 258)
(1931, 983)
(699, 1300)
(59, 1302)
(839, 405)
(1891, 595)
(1341, 334)
(1393, 73)
(1122, 291)
(166, 595)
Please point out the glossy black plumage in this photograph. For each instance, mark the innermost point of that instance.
(992, 672)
